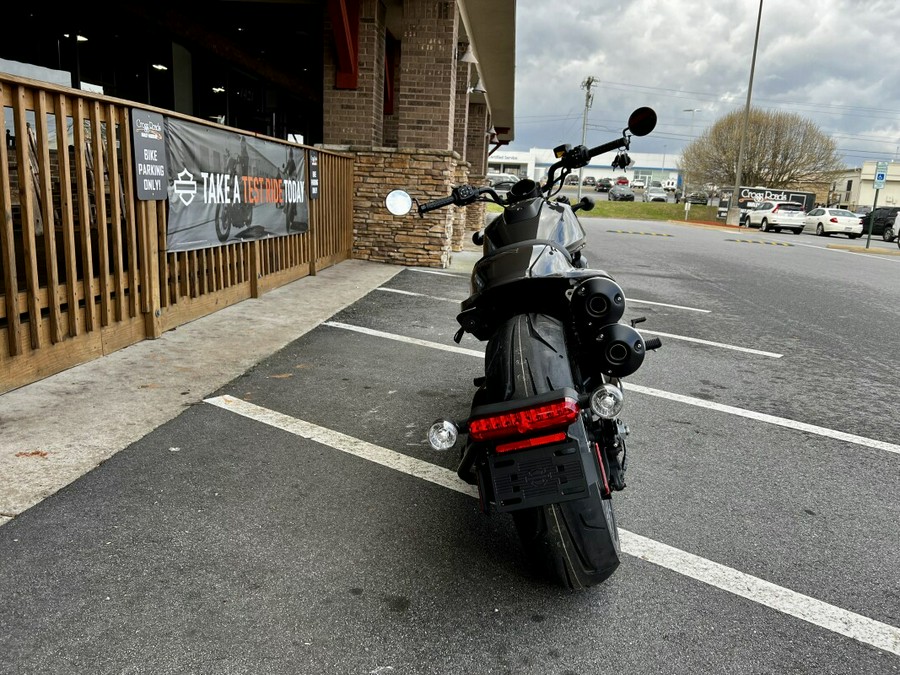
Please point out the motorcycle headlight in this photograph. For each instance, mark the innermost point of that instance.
(607, 401)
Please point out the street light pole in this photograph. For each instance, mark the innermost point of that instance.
(734, 211)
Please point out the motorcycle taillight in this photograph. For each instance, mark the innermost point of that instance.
(524, 421)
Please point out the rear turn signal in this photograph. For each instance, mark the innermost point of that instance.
(525, 421)
(442, 435)
(607, 401)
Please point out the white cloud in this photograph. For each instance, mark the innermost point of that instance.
(829, 61)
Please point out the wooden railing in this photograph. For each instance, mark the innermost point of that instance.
(84, 269)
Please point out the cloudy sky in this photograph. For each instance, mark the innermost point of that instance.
(834, 62)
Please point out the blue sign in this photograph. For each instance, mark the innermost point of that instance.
(881, 169)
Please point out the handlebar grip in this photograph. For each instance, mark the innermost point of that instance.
(607, 147)
(436, 204)
(652, 343)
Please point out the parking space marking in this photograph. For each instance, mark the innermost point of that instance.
(403, 338)
(632, 300)
(830, 617)
(418, 295)
(689, 400)
(651, 234)
(758, 241)
(665, 304)
(736, 348)
(763, 417)
(442, 274)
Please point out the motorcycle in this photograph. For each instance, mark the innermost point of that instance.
(545, 442)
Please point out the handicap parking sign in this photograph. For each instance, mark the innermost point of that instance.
(880, 175)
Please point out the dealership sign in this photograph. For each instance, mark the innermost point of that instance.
(149, 154)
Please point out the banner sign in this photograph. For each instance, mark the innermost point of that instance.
(149, 154)
(224, 186)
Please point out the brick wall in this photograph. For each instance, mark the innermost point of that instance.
(476, 139)
(355, 116)
(460, 124)
(427, 85)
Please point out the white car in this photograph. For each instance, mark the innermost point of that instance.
(637, 183)
(777, 216)
(834, 221)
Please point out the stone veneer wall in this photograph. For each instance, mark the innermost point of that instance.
(459, 215)
(403, 240)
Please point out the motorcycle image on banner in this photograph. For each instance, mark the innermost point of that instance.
(545, 442)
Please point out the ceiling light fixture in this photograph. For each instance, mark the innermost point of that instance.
(468, 56)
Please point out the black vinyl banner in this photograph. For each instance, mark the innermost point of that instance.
(224, 186)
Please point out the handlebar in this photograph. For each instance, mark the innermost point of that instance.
(462, 195)
(579, 156)
(436, 204)
(571, 158)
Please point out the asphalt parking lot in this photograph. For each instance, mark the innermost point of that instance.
(293, 520)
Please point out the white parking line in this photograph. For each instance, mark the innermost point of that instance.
(763, 417)
(665, 304)
(417, 295)
(722, 345)
(784, 600)
(402, 338)
(630, 386)
(442, 274)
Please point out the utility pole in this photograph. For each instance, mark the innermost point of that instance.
(734, 212)
(684, 190)
(589, 82)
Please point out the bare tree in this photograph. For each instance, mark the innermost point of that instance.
(783, 150)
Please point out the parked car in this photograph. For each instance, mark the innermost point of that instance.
(622, 180)
(603, 185)
(589, 180)
(638, 184)
(621, 193)
(826, 221)
(777, 216)
(501, 187)
(697, 198)
(656, 183)
(494, 178)
(882, 218)
(655, 194)
(670, 185)
(572, 179)
(892, 230)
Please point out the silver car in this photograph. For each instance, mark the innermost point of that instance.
(777, 216)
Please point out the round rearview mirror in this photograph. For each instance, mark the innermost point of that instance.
(398, 202)
(642, 121)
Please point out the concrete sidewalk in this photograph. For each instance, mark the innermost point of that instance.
(57, 429)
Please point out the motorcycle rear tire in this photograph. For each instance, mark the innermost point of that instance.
(575, 543)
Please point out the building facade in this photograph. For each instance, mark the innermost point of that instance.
(419, 90)
(856, 187)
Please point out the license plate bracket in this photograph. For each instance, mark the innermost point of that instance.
(537, 476)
